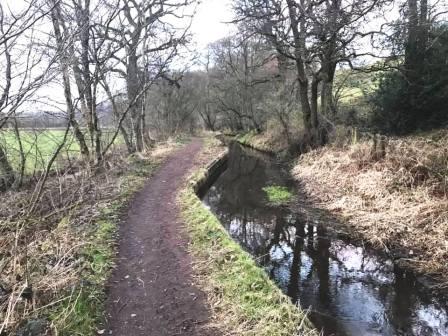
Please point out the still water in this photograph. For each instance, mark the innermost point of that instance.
(348, 288)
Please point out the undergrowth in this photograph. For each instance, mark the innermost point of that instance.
(260, 141)
(246, 138)
(66, 251)
(243, 299)
(82, 309)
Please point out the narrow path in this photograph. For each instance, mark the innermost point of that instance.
(151, 291)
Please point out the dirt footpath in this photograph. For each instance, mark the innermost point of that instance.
(151, 292)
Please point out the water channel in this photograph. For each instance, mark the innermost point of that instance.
(348, 288)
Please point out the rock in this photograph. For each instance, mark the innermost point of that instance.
(27, 293)
(3, 290)
(33, 328)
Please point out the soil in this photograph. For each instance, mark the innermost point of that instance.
(151, 291)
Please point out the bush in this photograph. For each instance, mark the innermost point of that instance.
(403, 105)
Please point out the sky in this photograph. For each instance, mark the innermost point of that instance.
(209, 23)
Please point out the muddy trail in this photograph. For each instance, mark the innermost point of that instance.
(150, 291)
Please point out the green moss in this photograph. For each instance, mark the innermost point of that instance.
(246, 138)
(278, 195)
(248, 302)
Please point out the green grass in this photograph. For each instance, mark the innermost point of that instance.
(355, 85)
(246, 138)
(80, 314)
(39, 146)
(278, 195)
(246, 301)
(350, 93)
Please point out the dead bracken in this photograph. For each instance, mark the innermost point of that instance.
(398, 202)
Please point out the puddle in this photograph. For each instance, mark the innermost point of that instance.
(349, 289)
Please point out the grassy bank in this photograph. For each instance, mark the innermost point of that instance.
(54, 265)
(272, 140)
(398, 202)
(243, 299)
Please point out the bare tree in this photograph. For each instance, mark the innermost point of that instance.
(173, 103)
(207, 110)
(242, 66)
(316, 36)
(150, 42)
(21, 76)
(65, 49)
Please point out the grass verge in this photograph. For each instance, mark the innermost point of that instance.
(243, 299)
(83, 309)
(54, 266)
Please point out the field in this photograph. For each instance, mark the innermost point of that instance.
(351, 85)
(39, 146)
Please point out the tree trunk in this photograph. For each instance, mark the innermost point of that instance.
(147, 142)
(7, 178)
(19, 180)
(310, 120)
(96, 129)
(415, 59)
(64, 64)
(116, 114)
(80, 85)
(83, 15)
(411, 51)
(314, 98)
(327, 104)
(328, 59)
(306, 108)
(138, 133)
(422, 36)
(134, 101)
(84, 149)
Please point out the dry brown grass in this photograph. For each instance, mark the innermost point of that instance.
(398, 203)
(43, 257)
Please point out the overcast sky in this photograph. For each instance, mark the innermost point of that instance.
(209, 23)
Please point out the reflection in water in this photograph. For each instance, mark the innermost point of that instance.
(349, 289)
